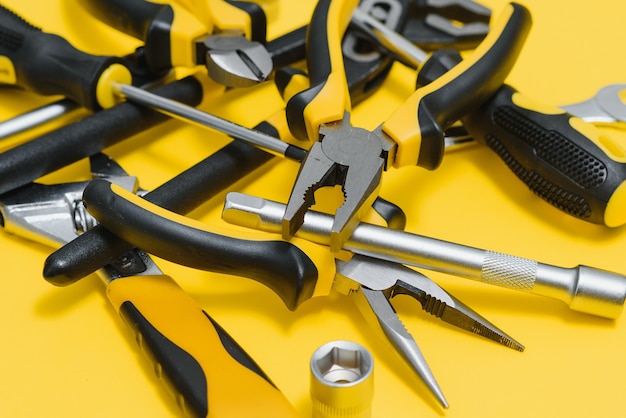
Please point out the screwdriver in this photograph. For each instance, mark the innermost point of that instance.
(47, 64)
(284, 50)
(566, 161)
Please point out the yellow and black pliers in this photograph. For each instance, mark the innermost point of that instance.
(227, 37)
(199, 363)
(355, 158)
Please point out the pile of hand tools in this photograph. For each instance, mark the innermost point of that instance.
(460, 57)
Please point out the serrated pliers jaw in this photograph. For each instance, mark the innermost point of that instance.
(373, 282)
(350, 157)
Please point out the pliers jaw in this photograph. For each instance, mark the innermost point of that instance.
(351, 157)
(372, 283)
(436, 24)
(234, 61)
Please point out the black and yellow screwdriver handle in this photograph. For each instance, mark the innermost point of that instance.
(566, 161)
(200, 364)
(294, 273)
(49, 65)
(417, 127)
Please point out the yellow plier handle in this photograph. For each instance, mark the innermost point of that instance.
(328, 97)
(417, 126)
(203, 367)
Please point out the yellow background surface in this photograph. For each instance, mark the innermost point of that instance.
(64, 352)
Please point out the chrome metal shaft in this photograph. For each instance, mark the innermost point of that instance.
(582, 288)
(36, 117)
(189, 114)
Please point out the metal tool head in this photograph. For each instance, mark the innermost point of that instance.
(54, 214)
(605, 107)
(436, 24)
(347, 156)
(353, 278)
(396, 279)
(235, 61)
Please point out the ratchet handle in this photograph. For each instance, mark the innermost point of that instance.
(47, 64)
(566, 161)
(280, 265)
(185, 345)
(418, 125)
(169, 32)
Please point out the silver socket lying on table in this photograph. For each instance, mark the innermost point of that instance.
(584, 289)
(342, 381)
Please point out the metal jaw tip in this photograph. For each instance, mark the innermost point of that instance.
(605, 107)
(235, 61)
(396, 279)
(372, 282)
(346, 156)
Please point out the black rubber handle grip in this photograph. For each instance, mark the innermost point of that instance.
(564, 160)
(98, 246)
(69, 144)
(48, 64)
(280, 265)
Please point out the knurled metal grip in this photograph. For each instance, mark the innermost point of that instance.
(509, 271)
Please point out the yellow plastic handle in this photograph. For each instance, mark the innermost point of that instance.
(328, 97)
(417, 126)
(204, 369)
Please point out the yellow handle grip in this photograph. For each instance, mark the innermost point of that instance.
(204, 369)
(328, 97)
(417, 126)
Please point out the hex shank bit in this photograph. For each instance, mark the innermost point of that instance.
(582, 288)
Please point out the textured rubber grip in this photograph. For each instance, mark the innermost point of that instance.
(280, 265)
(204, 368)
(47, 64)
(71, 143)
(564, 160)
(417, 126)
